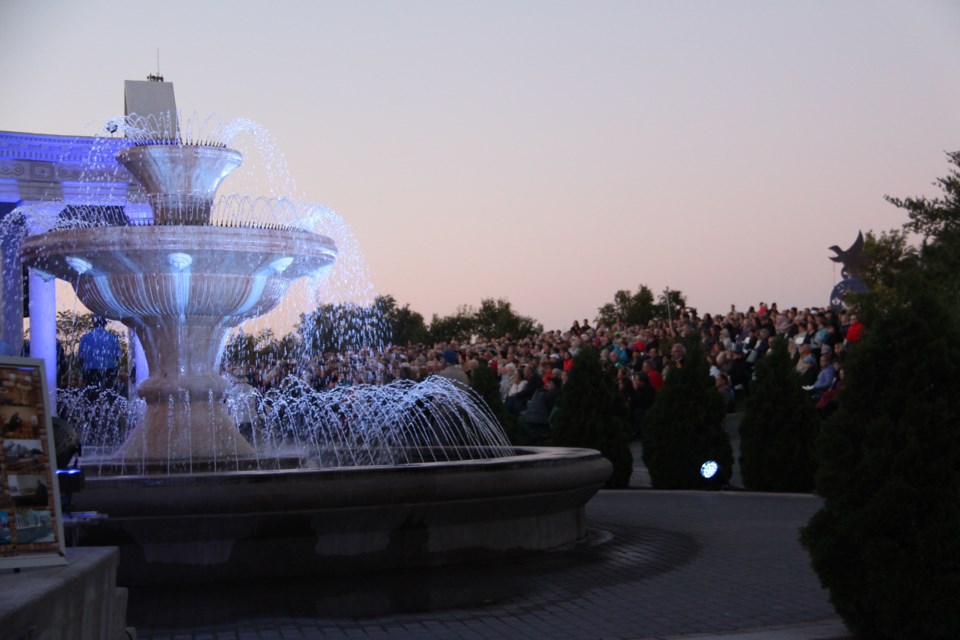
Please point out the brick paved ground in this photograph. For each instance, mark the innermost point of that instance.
(659, 565)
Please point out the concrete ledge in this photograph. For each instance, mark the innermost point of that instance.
(76, 601)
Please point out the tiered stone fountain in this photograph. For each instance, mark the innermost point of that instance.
(183, 504)
(182, 285)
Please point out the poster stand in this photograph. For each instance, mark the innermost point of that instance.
(31, 518)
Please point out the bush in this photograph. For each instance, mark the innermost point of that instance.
(779, 428)
(486, 383)
(592, 414)
(684, 428)
(887, 541)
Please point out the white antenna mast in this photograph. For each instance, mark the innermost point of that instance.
(157, 77)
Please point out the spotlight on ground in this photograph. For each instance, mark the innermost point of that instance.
(711, 475)
(709, 469)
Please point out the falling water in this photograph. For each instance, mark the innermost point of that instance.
(294, 425)
(291, 424)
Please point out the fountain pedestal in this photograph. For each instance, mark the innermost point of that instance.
(186, 413)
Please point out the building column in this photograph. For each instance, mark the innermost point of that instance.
(43, 328)
(137, 213)
(11, 295)
(138, 359)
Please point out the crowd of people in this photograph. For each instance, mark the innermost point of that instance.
(533, 369)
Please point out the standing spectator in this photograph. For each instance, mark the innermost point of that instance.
(452, 369)
(99, 354)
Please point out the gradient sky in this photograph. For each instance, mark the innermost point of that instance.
(545, 151)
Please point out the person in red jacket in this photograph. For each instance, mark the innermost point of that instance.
(854, 331)
(656, 380)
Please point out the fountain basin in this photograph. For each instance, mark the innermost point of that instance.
(238, 525)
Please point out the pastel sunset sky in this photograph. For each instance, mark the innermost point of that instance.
(549, 152)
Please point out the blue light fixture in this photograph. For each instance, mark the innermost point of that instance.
(713, 476)
(709, 469)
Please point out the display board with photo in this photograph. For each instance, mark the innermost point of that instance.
(31, 524)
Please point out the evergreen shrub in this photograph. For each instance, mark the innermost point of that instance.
(886, 542)
(779, 428)
(684, 427)
(592, 414)
(486, 383)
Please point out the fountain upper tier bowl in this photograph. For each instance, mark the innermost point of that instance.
(222, 274)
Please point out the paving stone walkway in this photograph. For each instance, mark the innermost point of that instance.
(658, 565)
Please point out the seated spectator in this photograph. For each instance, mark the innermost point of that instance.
(567, 362)
(723, 385)
(854, 331)
(508, 378)
(808, 372)
(517, 402)
(830, 400)
(656, 380)
(826, 377)
(535, 419)
(641, 401)
(802, 352)
(451, 368)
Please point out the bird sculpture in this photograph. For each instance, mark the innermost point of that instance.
(852, 260)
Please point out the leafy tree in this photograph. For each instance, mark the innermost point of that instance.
(779, 428)
(406, 326)
(670, 304)
(343, 327)
(684, 427)
(885, 257)
(629, 308)
(397, 325)
(940, 265)
(289, 347)
(889, 255)
(887, 541)
(593, 414)
(938, 221)
(70, 328)
(460, 326)
(266, 342)
(496, 318)
(932, 217)
(241, 349)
